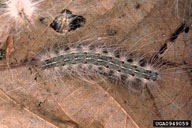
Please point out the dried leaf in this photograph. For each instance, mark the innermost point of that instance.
(28, 99)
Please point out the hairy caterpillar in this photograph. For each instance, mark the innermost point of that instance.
(98, 60)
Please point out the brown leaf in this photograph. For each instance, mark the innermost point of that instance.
(28, 99)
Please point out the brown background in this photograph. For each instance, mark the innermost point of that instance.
(27, 99)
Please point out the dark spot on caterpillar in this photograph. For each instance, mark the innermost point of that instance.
(66, 21)
(148, 71)
(181, 29)
(119, 70)
(117, 54)
(147, 77)
(142, 62)
(101, 71)
(105, 51)
(100, 68)
(111, 72)
(132, 74)
(130, 60)
(98, 54)
(91, 47)
(163, 48)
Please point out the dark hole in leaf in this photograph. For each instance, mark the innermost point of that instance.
(66, 21)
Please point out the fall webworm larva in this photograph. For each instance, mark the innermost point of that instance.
(98, 60)
(102, 61)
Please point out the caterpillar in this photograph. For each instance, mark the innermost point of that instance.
(98, 60)
(94, 60)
